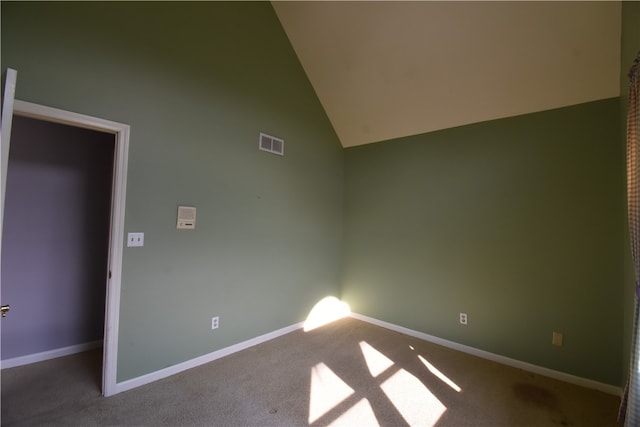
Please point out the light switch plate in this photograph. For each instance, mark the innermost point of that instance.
(135, 239)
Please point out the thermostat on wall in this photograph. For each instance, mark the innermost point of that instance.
(186, 218)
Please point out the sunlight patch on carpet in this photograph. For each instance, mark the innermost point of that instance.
(414, 401)
(442, 377)
(326, 311)
(360, 414)
(376, 361)
(333, 402)
(327, 391)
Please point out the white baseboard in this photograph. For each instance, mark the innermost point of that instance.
(562, 376)
(172, 370)
(50, 354)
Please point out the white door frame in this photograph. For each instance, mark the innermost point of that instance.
(116, 237)
(5, 135)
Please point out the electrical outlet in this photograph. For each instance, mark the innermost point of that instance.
(557, 339)
(215, 322)
(135, 239)
(463, 318)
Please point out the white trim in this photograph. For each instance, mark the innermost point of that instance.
(5, 140)
(175, 369)
(116, 238)
(49, 354)
(210, 357)
(50, 114)
(562, 376)
(5, 134)
(112, 315)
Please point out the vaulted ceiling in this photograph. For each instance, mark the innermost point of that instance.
(384, 70)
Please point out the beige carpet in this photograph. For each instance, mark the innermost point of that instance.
(346, 373)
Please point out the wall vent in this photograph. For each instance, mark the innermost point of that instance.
(271, 144)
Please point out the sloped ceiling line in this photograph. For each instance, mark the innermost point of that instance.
(384, 70)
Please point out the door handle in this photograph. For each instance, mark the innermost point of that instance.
(4, 309)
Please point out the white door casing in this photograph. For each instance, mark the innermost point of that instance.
(5, 135)
(5, 139)
(116, 237)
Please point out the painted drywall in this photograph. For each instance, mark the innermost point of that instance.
(55, 240)
(197, 82)
(385, 69)
(630, 47)
(517, 222)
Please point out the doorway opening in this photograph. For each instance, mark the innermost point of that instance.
(63, 235)
(56, 240)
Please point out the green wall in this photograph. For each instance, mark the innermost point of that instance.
(517, 222)
(197, 82)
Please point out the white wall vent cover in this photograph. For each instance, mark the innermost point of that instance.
(271, 144)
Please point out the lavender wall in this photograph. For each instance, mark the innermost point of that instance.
(55, 238)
